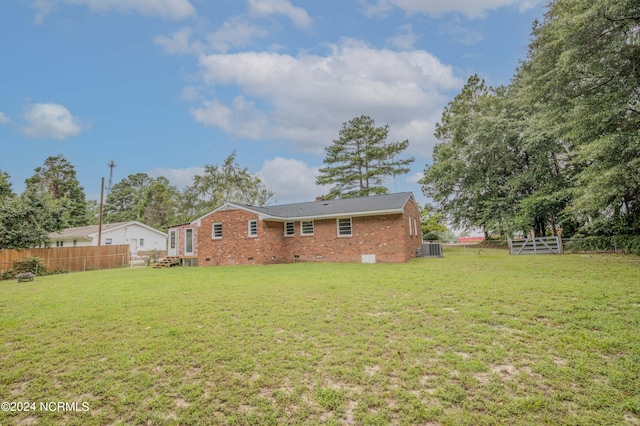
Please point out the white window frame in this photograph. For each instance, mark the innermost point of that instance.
(213, 231)
(108, 241)
(252, 228)
(302, 230)
(410, 226)
(339, 227)
(289, 226)
(141, 242)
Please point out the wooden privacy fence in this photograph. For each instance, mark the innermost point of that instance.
(70, 259)
(539, 245)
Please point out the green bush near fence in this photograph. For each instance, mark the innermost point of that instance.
(33, 265)
(29, 264)
(629, 244)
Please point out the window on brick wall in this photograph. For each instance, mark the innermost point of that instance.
(253, 228)
(289, 229)
(344, 227)
(306, 227)
(216, 231)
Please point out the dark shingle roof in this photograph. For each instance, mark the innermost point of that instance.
(375, 204)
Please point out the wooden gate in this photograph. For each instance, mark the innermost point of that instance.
(539, 245)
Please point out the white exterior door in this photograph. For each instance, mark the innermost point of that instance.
(188, 242)
(133, 244)
(173, 243)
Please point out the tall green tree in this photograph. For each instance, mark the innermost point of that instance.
(559, 148)
(360, 161)
(475, 158)
(218, 184)
(125, 201)
(27, 220)
(6, 189)
(583, 66)
(57, 178)
(160, 204)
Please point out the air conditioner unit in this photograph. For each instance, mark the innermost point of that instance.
(431, 250)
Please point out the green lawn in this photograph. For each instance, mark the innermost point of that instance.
(477, 337)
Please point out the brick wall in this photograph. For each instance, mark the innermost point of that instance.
(392, 238)
(235, 246)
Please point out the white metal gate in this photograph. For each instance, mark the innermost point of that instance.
(536, 245)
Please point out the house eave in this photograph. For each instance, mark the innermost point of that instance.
(335, 215)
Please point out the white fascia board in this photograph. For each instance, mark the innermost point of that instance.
(230, 206)
(336, 215)
(124, 225)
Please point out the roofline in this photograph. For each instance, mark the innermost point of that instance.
(268, 216)
(223, 206)
(63, 237)
(337, 215)
(125, 224)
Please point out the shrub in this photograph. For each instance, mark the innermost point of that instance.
(629, 244)
(28, 264)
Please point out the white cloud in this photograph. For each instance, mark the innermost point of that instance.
(308, 97)
(415, 178)
(190, 94)
(470, 8)
(298, 16)
(241, 118)
(461, 32)
(405, 40)
(290, 180)
(178, 177)
(42, 8)
(169, 9)
(235, 32)
(3, 118)
(50, 121)
(178, 43)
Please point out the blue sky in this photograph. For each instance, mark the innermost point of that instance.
(167, 86)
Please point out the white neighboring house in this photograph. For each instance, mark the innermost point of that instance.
(138, 236)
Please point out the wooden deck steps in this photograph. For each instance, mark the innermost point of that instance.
(167, 262)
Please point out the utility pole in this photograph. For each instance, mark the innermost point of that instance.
(100, 217)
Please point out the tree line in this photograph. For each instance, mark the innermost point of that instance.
(54, 199)
(558, 149)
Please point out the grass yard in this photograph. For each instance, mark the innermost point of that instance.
(478, 338)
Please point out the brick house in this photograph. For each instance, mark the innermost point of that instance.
(380, 228)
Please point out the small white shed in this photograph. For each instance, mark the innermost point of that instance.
(138, 236)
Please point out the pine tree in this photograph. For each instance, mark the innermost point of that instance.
(361, 159)
(57, 178)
